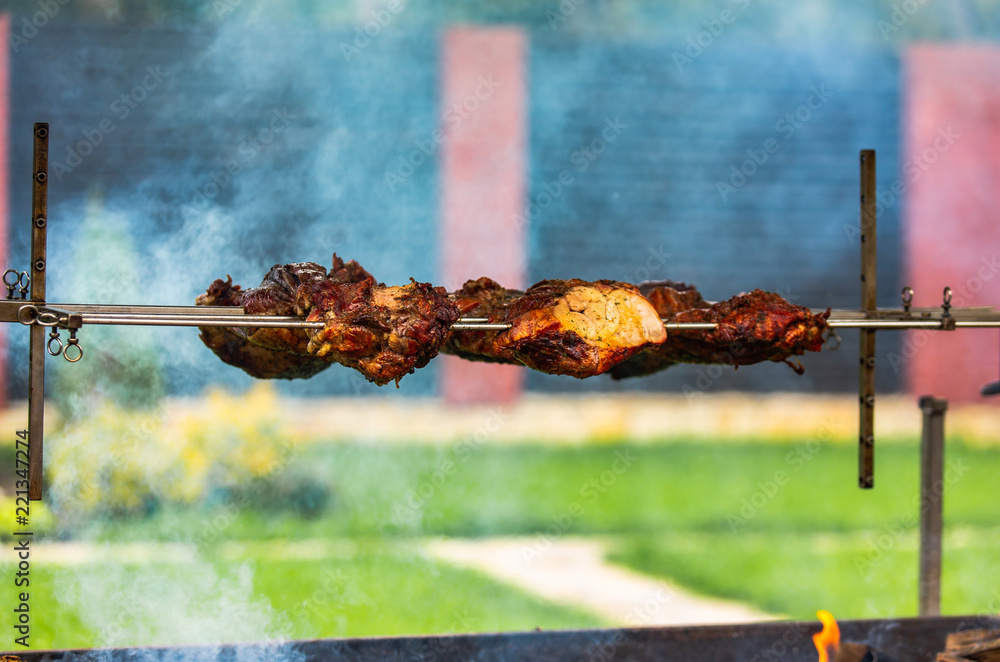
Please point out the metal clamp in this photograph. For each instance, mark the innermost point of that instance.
(29, 315)
(46, 318)
(947, 321)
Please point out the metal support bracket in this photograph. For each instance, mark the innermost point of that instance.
(869, 304)
(36, 352)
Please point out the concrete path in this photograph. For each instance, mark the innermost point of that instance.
(573, 572)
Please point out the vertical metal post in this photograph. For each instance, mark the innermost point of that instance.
(869, 302)
(36, 351)
(931, 504)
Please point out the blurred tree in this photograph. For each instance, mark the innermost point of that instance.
(120, 363)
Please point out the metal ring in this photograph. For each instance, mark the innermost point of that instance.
(16, 280)
(907, 297)
(26, 278)
(34, 315)
(833, 340)
(54, 339)
(48, 319)
(947, 296)
(70, 346)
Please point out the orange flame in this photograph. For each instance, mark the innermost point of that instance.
(829, 637)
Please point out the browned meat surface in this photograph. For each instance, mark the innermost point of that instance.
(561, 327)
(233, 346)
(578, 328)
(565, 327)
(383, 332)
(481, 298)
(287, 289)
(670, 297)
(754, 327)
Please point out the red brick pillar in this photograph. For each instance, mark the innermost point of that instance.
(483, 166)
(951, 219)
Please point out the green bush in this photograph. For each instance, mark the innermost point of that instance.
(116, 462)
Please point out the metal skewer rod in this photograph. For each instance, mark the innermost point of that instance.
(277, 321)
(224, 316)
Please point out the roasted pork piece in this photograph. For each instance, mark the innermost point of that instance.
(234, 347)
(273, 353)
(383, 332)
(482, 297)
(561, 327)
(754, 327)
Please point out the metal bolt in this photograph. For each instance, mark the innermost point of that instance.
(870, 400)
(40, 177)
(42, 132)
(870, 362)
(40, 222)
(39, 265)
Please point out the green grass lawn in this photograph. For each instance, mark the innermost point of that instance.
(388, 490)
(353, 589)
(866, 574)
(781, 526)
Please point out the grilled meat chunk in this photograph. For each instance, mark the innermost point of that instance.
(482, 297)
(383, 332)
(232, 345)
(561, 327)
(270, 353)
(752, 327)
(565, 327)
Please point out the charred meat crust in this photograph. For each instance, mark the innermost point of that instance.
(567, 327)
(564, 327)
(383, 332)
(752, 327)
